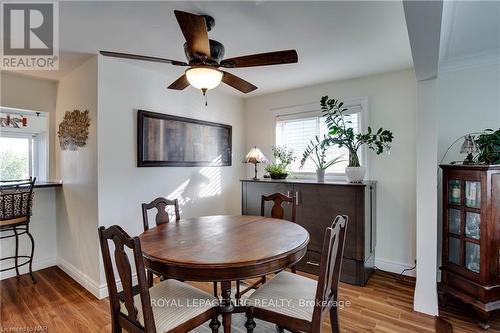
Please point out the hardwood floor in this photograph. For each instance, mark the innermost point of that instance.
(61, 305)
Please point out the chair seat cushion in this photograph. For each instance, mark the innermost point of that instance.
(11, 222)
(173, 304)
(288, 294)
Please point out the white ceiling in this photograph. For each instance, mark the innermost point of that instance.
(470, 34)
(334, 40)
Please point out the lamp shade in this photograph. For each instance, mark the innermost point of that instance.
(469, 145)
(255, 156)
(204, 78)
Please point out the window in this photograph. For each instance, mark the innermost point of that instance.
(17, 156)
(296, 130)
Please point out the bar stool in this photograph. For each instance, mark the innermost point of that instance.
(16, 202)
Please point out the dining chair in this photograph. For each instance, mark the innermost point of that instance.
(277, 212)
(16, 205)
(297, 303)
(169, 306)
(162, 216)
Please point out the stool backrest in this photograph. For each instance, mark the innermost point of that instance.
(16, 199)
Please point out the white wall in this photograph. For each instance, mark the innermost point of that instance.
(43, 229)
(77, 241)
(425, 298)
(29, 93)
(391, 99)
(456, 103)
(123, 89)
(469, 101)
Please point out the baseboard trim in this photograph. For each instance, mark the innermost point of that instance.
(100, 291)
(37, 265)
(103, 288)
(394, 267)
(83, 279)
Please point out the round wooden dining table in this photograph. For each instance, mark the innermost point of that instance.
(223, 249)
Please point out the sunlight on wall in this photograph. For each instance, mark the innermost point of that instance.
(212, 173)
(202, 184)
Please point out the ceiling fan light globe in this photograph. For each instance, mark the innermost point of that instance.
(203, 77)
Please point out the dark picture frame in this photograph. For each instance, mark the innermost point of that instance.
(165, 140)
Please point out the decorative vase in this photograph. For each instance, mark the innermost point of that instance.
(320, 175)
(278, 175)
(355, 174)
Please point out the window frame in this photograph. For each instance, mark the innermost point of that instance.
(309, 110)
(33, 148)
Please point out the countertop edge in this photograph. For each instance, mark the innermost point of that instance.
(309, 181)
(47, 184)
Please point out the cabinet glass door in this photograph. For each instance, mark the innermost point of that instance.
(472, 256)
(454, 250)
(454, 192)
(454, 221)
(473, 194)
(472, 225)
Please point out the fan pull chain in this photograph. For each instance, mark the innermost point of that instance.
(205, 95)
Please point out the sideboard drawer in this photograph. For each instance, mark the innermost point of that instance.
(310, 263)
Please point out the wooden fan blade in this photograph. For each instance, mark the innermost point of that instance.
(238, 83)
(262, 59)
(141, 57)
(194, 29)
(180, 84)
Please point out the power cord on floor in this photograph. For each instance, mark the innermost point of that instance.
(400, 275)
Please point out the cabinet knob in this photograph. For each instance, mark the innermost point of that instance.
(297, 198)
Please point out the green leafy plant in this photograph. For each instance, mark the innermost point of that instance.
(316, 151)
(282, 159)
(340, 134)
(488, 144)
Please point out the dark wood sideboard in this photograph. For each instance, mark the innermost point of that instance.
(317, 206)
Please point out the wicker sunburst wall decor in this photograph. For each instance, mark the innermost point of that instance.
(74, 130)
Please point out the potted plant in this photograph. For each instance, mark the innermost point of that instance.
(488, 145)
(340, 134)
(282, 160)
(316, 151)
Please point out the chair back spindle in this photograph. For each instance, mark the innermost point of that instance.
(160, 204)
(122, 241)
(277, 210)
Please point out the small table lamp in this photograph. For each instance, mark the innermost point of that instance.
(469, 147)
(255, 156)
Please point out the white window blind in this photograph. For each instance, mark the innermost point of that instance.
(295, 132)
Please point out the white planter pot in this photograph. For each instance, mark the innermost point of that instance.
(320, 175)
(355, 174)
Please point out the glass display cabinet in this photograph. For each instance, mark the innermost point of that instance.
(471, 236)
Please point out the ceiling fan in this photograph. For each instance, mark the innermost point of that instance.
(205, 57)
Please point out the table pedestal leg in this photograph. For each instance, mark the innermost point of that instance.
(226, 306)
